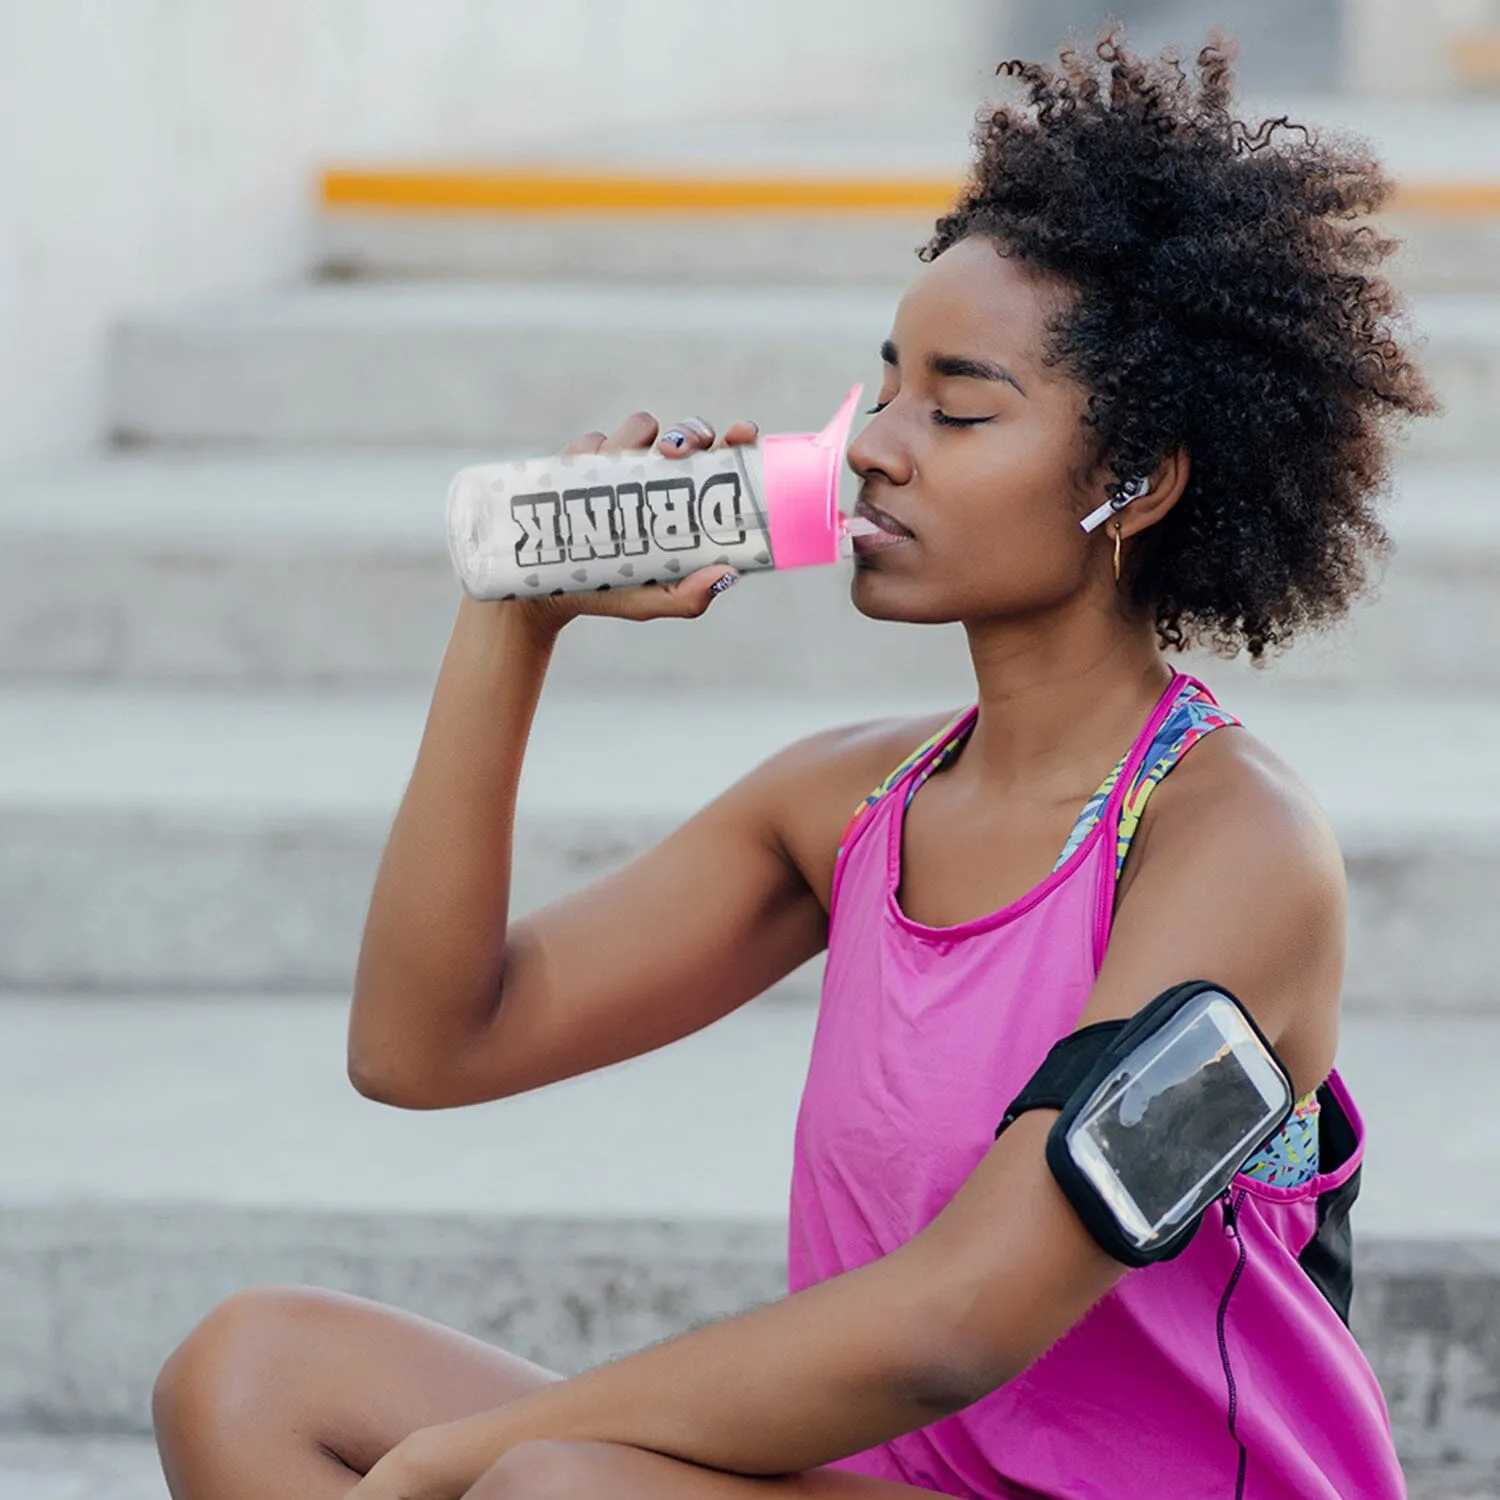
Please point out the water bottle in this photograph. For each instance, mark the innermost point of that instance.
(571, 523)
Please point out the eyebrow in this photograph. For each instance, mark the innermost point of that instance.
(957, 366)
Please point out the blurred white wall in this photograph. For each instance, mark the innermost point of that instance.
(164, 149)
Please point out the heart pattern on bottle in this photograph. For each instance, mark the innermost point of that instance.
(648, 545)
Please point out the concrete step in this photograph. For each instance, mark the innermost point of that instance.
(229, 841)
(501, 366)
(80, 1468)
(120, 1468)
(530, 365)
(773, 249)
(1448, 251)
(1442, 249)
(177, 1153)
(792, 202)
(223, 841)
(311, 568)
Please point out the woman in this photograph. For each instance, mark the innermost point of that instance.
(1135, 297)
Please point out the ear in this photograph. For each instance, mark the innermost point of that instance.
(1167, 485)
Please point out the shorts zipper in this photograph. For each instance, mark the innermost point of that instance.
(1232, 1203)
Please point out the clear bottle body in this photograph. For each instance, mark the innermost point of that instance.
(581, 522)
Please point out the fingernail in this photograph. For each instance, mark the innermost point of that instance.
(728, 581)
(675, 438)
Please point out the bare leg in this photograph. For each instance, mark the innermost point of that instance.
(553, 1470)
(286, 1393)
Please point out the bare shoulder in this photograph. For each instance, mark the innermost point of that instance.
(1240, 874)
(813, 787)
(1233, 786)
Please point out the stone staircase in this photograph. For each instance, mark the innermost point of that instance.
(295, 568)
(217, 640)
(496, 366)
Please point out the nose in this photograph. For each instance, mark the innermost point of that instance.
(878, 452)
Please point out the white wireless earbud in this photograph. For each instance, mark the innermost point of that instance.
(1131, 490)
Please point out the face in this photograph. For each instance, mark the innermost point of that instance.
(977, 450)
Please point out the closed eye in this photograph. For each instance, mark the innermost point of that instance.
(944, 420)
(940, 417)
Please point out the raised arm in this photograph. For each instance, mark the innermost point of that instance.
(455, 1004)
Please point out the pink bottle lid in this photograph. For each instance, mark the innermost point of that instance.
(801, 472)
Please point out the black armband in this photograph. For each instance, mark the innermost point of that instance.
(1158, 1113)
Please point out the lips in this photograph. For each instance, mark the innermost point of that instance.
(878, 517)
(884, 532)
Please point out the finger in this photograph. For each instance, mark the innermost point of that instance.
(741, 432)
(686, 436)
(682, 598)
(590, 442)
(693, 595)
(638, 430)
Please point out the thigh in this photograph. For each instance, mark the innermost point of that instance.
(573, 1470)
(280, 1370)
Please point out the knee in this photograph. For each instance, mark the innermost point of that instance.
(248, 1340)
(544, 1469)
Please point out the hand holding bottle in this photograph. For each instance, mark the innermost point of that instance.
(684, 597)
(645, 533)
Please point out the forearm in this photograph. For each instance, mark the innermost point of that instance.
(434, 939)
(854, 1361)
(835, 1369)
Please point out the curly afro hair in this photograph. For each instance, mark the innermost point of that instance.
(1224, 301)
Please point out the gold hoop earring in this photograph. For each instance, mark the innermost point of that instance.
(1117, 551)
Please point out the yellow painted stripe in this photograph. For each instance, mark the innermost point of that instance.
(1477, 57)
(1448, 200)
(525, 191)
(536, 191)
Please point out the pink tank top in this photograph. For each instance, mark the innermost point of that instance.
(1228, 1371)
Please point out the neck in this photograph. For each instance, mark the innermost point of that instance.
(1057, 704)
